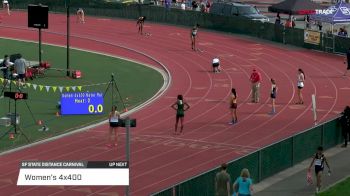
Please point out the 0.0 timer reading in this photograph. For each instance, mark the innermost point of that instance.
(99, 108)
(81, 103)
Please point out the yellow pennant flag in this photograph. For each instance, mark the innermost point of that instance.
(54, 88)
(2, 80)
(67, 88)
(14, 82)
(28, 84)
(79, 88)
(41, 87)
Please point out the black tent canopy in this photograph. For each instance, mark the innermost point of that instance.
(295, 7)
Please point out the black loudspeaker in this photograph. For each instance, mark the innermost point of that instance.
(38, 16)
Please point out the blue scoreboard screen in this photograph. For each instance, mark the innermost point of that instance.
(81, 103)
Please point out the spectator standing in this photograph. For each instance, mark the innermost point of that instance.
(273, 95)
(347, 60)
(233, 106)
(342, 32)
(20, 69)
(300, 85)
(183, 5)
(278, 19)
(290, 22)
(167, 4)
(194, 5)
(180, 106)
(319, 24)
(6, 6)
(307, 21)
(113, 119)
(345, 124)
(5, 67)
(202, 6)
(255, 79)
(243, 184)
(222, 182)
(208, 5)
(319, 159)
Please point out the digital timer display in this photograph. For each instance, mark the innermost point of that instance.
(81, 103)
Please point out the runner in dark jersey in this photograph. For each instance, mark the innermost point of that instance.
(273, 95)
(319, 160)
(194, 32)
(180, 106)
(140, 22)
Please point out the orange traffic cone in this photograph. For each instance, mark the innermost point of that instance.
(12, 136)
(40, 122)
(57, 113)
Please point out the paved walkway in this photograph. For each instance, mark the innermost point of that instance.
(292, 181)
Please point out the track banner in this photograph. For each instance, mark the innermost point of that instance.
(312, 37)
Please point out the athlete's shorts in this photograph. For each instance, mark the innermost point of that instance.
(113, 124)
(216, 64)
(233, 106)
(318, 169)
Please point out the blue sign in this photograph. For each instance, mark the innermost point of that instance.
(81, 103)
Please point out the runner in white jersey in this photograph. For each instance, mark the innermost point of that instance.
(114, 118)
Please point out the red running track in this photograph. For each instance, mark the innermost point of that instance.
(160, 159)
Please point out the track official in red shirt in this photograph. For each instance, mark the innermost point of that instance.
(255, 79)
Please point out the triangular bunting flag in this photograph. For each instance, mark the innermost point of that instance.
(61, 88)
(35, 86)
(79, 88)
(74, 87)
(28, 84)
(41, 87)
(47, 88)
(67, 88)
(2, 80)
(54, 88)
(14, 82)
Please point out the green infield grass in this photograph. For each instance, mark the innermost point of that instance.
(340, 189)
(136, 84)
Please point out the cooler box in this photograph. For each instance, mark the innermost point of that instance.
(5, 121)
(45, 65)
(14, 119)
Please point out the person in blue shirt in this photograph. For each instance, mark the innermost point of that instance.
(243, 185)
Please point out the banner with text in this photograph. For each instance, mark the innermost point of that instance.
(80, 173)
(312, 37)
